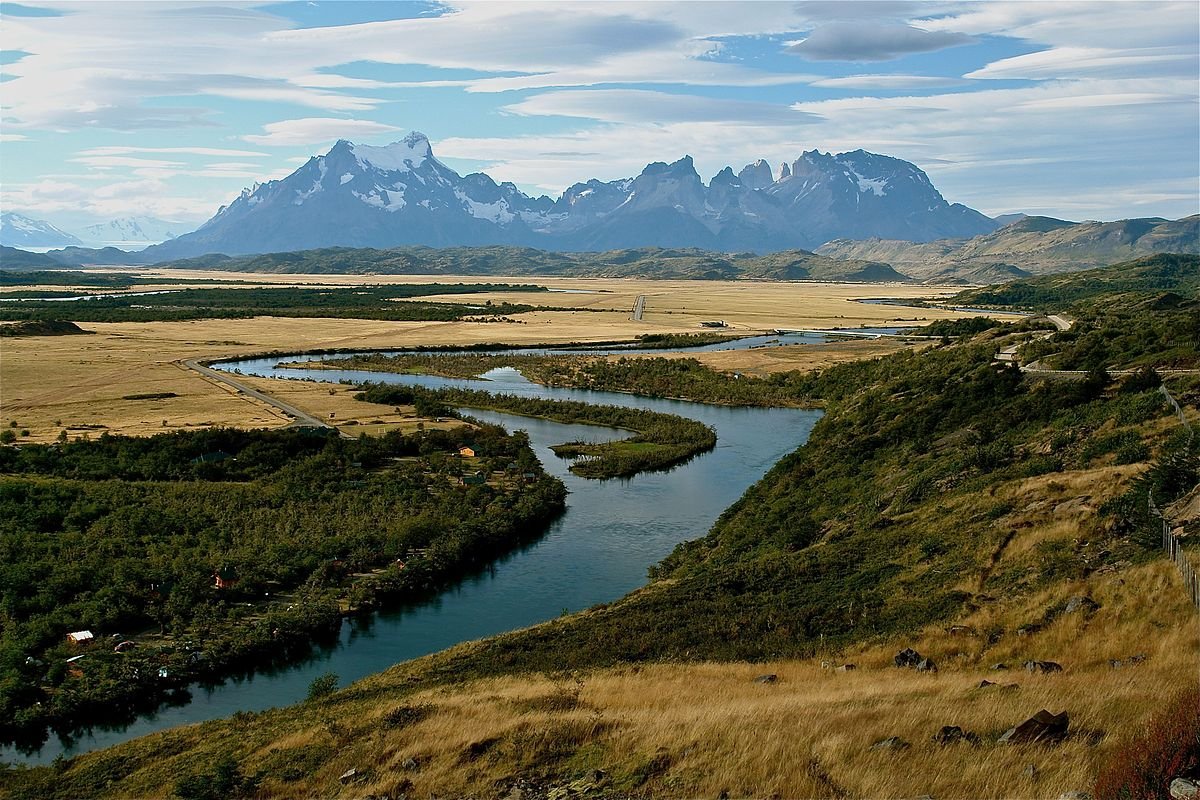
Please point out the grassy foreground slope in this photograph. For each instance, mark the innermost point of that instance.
(944, 503)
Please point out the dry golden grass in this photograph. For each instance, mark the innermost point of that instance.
(713, 729)
(48, 384)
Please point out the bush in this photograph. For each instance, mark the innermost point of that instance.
(322, 686)
(1168, 748)
(224, 782)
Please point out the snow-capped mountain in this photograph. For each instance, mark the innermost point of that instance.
(135, 231)
(362, 196)
(17, 230)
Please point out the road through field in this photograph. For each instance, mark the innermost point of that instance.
(301, 418)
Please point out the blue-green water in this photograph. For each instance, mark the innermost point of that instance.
(597, 551)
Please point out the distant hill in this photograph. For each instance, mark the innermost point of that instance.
(645, 262)
(1170, 274)
(1036, 245)
(14, 259)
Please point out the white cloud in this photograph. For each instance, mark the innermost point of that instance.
(873, 41)
(120, 150)
(642, 106)
(889, 82)
(317, 130)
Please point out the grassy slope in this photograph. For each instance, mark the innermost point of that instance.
(937, 490)
(1036, 244)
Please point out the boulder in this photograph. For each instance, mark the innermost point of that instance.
(1041, 727)
(771, 678)
(926, 665)
(950, 734)
(891, 743)
(1042, 666)
(907, 658)
(1184, 789)
(1080, 603)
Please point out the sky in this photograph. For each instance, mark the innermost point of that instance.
(1078, 110)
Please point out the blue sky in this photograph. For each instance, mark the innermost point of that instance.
(1077, 110)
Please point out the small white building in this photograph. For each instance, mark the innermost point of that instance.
(80, 637)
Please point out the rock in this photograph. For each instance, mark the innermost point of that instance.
(1074, 794)
(1080, 603)
(1042, 666)
(907, 658)
(348, 775)
(772, 678)
(1041, 727)
(410, 764)
(1030, 772)
(983, 684)
(891, 743)
(999, 666)
(949, 734)
(847, 668)
(926, 665)
(1184, 789)
(961, 630)
(826, 665)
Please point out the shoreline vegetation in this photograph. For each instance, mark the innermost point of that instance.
(220, 551)
(660, 441)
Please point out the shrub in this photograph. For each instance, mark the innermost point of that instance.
(224, 782)
(1142, 769)
(322, 686)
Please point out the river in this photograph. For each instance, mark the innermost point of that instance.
(597, 551)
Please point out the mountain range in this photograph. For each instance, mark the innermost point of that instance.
(18, 230)
(362, 196)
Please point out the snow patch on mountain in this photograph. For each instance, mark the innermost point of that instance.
(403, 156)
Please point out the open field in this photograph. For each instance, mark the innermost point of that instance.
(48, 384)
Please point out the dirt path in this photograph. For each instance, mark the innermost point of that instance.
(299, 418)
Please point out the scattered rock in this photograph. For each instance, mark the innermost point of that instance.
(1042, 666)
(1030, 772)
(962, 630)
(410, 765)
(926, 665)
(950, 734)
(1029, 629)
(907, 658)
(1080, 603)
(847, 668)
(891, 743)
(1132, 661)
(772, 678)
(1184, 789)
(1041, 727)
(348, 775)
(999, 666)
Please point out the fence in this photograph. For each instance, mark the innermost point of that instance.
(1170, 541)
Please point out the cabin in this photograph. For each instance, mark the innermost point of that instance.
(466, 452)
(225, 578)
(80, 638)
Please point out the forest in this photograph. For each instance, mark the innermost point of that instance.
(364, 302)
(126, 537)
